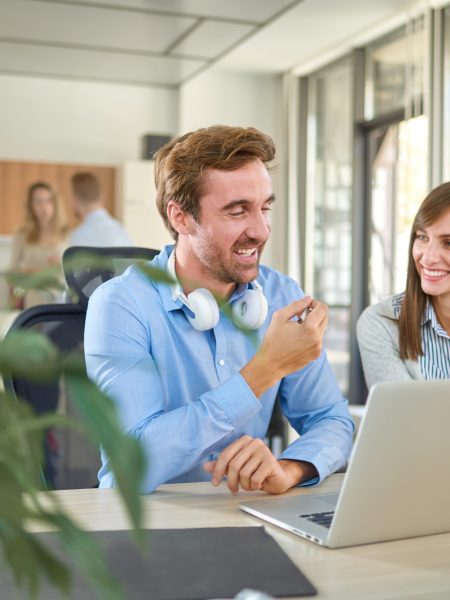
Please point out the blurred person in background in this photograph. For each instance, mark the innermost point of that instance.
(98, 227)
(38, 244)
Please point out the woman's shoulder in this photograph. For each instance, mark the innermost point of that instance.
(19, 239)
(383, 315)
(386, 309)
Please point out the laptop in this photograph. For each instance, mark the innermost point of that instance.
(397, 483)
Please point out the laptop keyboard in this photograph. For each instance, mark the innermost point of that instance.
(321, 518)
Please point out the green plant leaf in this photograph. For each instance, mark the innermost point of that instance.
(20, 451)
(48, 278)
(21, 457)
(156, 274)
(124, 453)
(29, 557)
(30, 560)
(27, 353)
(31, 354)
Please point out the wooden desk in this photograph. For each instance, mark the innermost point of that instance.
(417, 568)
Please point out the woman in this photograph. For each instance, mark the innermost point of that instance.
(39, 243)
(408, 335)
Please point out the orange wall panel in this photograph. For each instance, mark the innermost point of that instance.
(16, 177)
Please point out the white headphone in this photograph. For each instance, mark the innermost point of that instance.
(248, 312)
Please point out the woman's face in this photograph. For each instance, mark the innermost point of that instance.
(42, 206)
(431, 254)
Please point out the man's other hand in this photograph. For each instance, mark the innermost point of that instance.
(249, 464)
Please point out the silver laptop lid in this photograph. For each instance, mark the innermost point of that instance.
(398, 481)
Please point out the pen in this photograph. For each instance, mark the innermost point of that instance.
(304, 314)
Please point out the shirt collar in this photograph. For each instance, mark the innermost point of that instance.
(397, 302)
(165, 291)
(430, 316)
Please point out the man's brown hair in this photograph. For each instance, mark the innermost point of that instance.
(180, 164)
(86, 188)
(410, 320)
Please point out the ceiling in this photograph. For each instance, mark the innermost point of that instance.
(315, 30)
(148, 42)
(167, 42)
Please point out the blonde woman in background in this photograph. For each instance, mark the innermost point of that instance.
(39, 243)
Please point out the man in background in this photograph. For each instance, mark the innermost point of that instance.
(98, 227)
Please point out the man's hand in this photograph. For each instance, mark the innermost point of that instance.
(248, 463)
(287, 346)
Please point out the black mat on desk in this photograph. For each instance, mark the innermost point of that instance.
(191, 564)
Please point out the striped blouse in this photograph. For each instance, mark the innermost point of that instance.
(435, 360)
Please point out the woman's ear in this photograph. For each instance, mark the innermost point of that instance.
(180, 220)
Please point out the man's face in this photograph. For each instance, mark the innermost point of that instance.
(234, 223)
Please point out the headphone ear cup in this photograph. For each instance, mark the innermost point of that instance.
(250, 311)
(204, 306)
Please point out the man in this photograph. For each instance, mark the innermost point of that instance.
(98, 227)
(195, 389)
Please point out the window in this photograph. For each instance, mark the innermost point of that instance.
(446, 94)
(395, 71)
(398, 183)
(329, 199)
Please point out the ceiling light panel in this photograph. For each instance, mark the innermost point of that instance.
(252, 11)
(69, 24)
(88, 64)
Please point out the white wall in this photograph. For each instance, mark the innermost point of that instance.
(221, 97)
(83, 122)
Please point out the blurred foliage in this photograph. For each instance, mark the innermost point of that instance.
(23, 497)
(30, 355)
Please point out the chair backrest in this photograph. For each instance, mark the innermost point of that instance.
(71, 460)
(86, 267)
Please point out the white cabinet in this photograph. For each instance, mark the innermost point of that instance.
(136, 204)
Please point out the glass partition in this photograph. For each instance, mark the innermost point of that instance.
(395, 71)
(446, 103)
(398, 180)
(329, 201)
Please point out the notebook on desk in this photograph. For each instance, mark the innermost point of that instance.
(397, 483)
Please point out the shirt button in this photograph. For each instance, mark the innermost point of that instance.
(221, 362)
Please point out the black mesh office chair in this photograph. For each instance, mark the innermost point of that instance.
(71, 460)
(86, 267)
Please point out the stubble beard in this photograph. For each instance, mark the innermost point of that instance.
(216, 265)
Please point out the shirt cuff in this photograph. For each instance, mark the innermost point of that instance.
(327, 461)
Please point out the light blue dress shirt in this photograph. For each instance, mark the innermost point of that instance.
(99, 228)
(180, 391)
